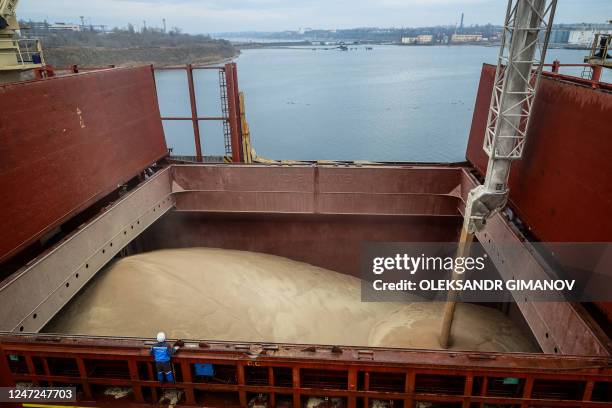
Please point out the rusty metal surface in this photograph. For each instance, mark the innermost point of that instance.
(67, 141)
(558, 327)
(233, 108)
(315, 214)
(561, 187)
(33, 295)
(594, 83)
(328, 241)
(380, 190)
(339, 236)
(578, 366)
(194, 113)
(423, 375)
(242, 207)
(240, 219)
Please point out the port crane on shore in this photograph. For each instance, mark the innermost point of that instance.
(16, 55)
(600, 50)
(524, 42)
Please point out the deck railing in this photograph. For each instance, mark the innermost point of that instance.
(290, 375)
(28, 51)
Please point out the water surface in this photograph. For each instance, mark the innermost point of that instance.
(391, 103)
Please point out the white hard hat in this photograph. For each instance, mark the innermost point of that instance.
(161, 336)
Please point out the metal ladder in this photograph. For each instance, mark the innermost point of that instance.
(587, 73)
(227, 139)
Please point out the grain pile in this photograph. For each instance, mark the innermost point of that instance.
(217, 294)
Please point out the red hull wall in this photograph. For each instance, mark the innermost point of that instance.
(562, 187)
(66, 142)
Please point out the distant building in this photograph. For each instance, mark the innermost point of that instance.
(584, 37)
(419, 39)
(424, 39)
(559, 36)
(466, 38)
(64, 27)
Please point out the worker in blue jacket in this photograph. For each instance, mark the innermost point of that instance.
(162, 353)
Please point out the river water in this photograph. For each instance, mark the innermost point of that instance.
(390, 103)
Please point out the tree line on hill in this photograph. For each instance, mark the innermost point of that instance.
(128, 46)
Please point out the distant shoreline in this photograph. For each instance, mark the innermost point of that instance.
(207, 54)
(315, 44)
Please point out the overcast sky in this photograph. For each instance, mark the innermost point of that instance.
(210, 16)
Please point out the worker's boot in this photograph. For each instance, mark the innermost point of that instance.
(170, 376)
(160, 376)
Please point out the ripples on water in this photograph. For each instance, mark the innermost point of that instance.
(389, 104)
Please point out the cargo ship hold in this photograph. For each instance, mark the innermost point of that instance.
(88, 179)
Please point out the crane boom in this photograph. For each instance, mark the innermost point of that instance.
(522, 52)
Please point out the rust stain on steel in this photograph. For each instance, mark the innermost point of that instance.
(233, 106)
(393, 359)
(561, 187)
(67, 141)
(558, 327)
(280, 210)
(380, 190)
(422, 373)
(194, 112)
(46, 283)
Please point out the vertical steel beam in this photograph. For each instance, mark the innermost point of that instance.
(238, 111)
(188, 379)
(296, 386)
(31, 368)
(151, 377)
(241, 382)
(483, 390)
(352, 386)
(409, 388)
(272, 395)
(232, 104)
(596, 73)
(588, 391)
(366, 387)
(527, 392)
(133, 368)
(467, 391)
(194, 112)
(83, 375)
(521, 52)
(46, 369)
